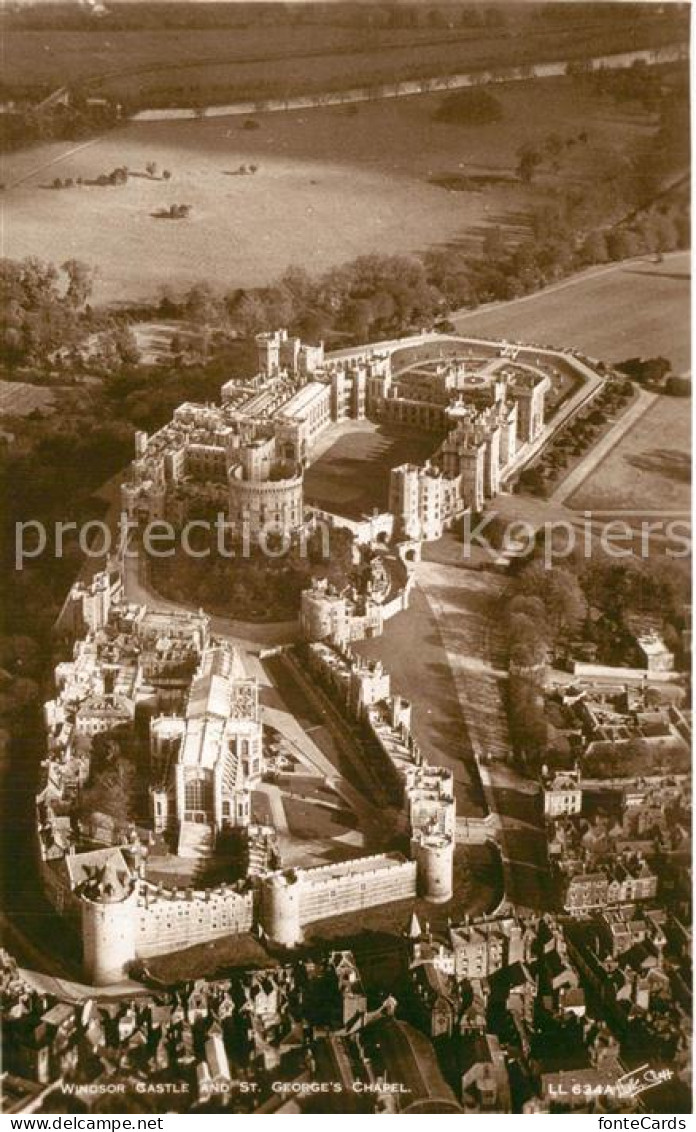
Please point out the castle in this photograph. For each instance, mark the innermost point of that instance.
(246, 457)
(137, 671)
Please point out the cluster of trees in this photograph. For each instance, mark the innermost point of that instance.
(112, 788)
(527, 722)
(157, 15)
(656, 372)
(372, 296)
(639, 83)
(152, 170)
(545, 607)
(629, 588)
(117, 176)
(48, 319)
(533, 155)
(175, 212)
(28, 124)
(44, 308)
(599, 601)
(256, 586)
(575, 437)
(469, 107)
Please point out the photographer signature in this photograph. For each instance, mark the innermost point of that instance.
(641, 1079)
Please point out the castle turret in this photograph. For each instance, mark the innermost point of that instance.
(109, 920)
(280, 908)
(434, 856)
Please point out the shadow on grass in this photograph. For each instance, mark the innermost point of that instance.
(675, 466)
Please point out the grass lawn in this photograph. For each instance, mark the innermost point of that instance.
(668, 755)
(330, 186)
(206, 960)
(650, 467)
(265, 54)
(636, 309)
(19, 399)
(309, 820)
(352, 476)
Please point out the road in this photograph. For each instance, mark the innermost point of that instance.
(250, 636)
(54, 161)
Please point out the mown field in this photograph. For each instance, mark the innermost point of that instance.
(650, 467)
(165, 65)
(330, 185)
(639, 308)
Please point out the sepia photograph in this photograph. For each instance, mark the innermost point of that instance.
(345, 653)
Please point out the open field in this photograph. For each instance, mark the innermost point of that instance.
(331, 185)
(649, 468)
(352, 476)
(638, 308)
(153, 65)
(18, 399)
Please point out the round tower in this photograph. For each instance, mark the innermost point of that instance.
(280, 908)
(108, 937)
(434, 856)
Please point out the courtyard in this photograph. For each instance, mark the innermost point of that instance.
(350, 476)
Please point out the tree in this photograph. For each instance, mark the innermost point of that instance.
(527, 638)
(528, 725)
(529, 606)
(529, 160)
(112, 791)
(678, 386)
(300, 286)
(469, 108)
(622, 243)
(80, 281)
(560, 592)
(126, 345)
(166, 175)
(594, 248)
(494, 243)
(251, 314)
(202, 306)
(151, 168)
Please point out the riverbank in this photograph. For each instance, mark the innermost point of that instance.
(481, 77)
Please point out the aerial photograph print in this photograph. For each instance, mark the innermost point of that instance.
(346, 563)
